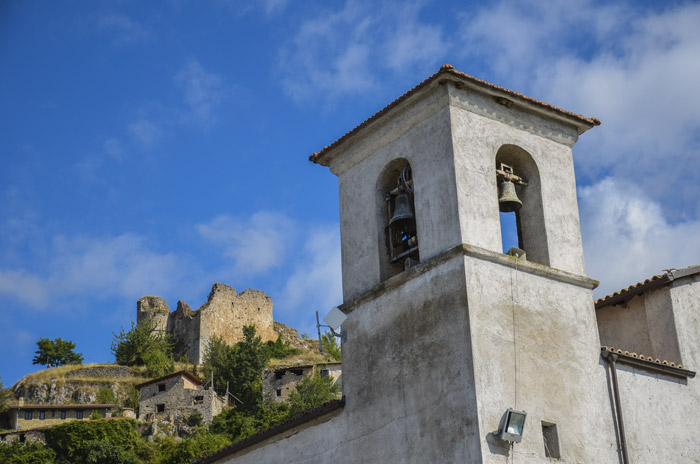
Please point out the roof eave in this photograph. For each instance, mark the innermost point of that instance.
(449, 73)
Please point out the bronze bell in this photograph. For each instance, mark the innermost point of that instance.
(508, 200)
(403, 219)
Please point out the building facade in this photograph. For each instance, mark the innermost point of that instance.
(279, 383)
(28, 416)
(176, 397)
(447, 336)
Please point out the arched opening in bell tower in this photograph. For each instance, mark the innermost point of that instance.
(396, 218)
(520, 204)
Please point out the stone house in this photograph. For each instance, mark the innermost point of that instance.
(279, 383)
(175, 397)
(455, 351)
(29, 416)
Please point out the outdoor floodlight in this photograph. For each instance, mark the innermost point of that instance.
(513, 425)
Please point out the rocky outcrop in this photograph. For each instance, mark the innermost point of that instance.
(78, 386)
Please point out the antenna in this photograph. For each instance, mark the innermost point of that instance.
(333, 321)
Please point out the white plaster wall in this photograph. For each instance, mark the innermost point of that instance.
(480, 127)
(420, 133)
(407, 381)
(625, 327)
(661, 416)
(536, 348)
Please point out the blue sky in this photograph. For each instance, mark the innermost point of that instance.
(157, 148)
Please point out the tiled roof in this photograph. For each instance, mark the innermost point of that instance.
(445, 71)
(304, 366)
(644, 286)
(647, 362)
(165, 377)
(60, 406)
(612, 349)
(276, 429)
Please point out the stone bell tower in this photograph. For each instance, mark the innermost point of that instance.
(445, 332)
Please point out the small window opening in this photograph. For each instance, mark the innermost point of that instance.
(160, 407)
(161, 387)
(324, 373)
(279, 392)
(27, 415)
(551, 440)
(22, 438)
(63, 414)
(279, 375)
(79, 415)
(298, 371)
(42, 415)
(198, 400)
(53, 413)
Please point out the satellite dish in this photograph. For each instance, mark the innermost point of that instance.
(335, 318)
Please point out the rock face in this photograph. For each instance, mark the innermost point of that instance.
(80, 386)
(223, 315)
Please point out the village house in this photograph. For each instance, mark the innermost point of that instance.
(279, 383)
(29, 416)
(460, 349)
(176, 397)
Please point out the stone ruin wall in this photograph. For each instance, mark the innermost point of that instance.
(224, 314)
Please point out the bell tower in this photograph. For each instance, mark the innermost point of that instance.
(445, 333)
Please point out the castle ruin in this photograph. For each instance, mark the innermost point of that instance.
(223, 315)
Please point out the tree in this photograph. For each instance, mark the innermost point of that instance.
(312, 391)
(240, 365)
(144, 345)
(330, 346)
(6, 396)
(54, 353)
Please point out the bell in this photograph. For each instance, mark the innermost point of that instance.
(403, 219)
(508, 200)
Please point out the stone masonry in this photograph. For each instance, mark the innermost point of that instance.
(223, 315)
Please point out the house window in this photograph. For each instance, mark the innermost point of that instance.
(160, 407)
(42, 415)
(27, 415)
(324, 373)
(63, 414)
(79, 414)
(279, 375)
(161, 387)
(198, 400)
(279, 392)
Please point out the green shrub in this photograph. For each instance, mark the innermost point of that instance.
(26, 453)
(73, 441)
(105, 452)
(195, 420)
(95, 415)
(279, 349)
(312, 391)
(106, 396)
(199, 445)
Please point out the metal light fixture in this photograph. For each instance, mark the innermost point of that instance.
(513, 425)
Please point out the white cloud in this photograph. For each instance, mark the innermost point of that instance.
(145, 132)
(343, 52)
(124, 266)
(315, 283)
(627, 238)
(202, 90)
(636, 69)
(24, 287)
(126, 31)
(256, 244)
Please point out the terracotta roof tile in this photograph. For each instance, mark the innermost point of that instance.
(449, 70)
(612, 349)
